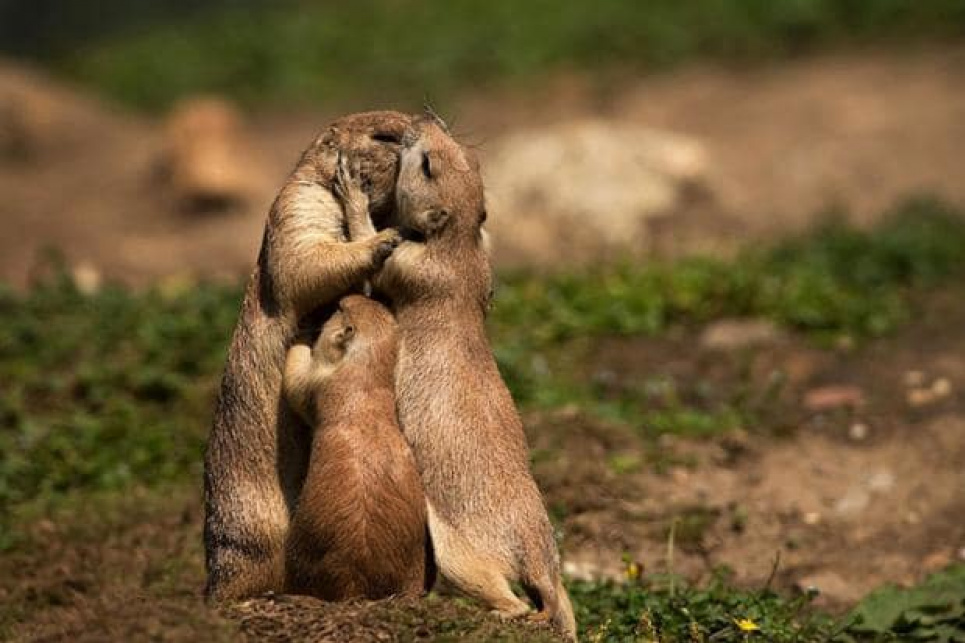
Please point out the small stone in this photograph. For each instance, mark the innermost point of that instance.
(87, 278)
(679, 475)
(920, 397)
(961, 553)
(827, 398)
(811, 518)
(881, 481)
(568, 412)
(914, 379)
(582, 570)
(853, 502)
(936, 561)
(858, 431)
(912, 518)
(737, 334)
(942, 387)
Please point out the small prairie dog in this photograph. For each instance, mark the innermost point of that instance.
(359, 530)
(487, 520)
(313, 253)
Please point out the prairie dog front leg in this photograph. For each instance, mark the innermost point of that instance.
(355, 202)
(299, 380)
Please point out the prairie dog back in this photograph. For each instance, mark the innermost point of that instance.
(487, 520)
(359, 530)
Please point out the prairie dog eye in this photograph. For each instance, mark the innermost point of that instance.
(426, 165)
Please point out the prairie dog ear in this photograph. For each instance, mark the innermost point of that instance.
(344, 335)
(436, 220)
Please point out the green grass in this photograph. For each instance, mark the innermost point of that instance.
(99, 392)
(667, 609)
(837, 284)
(390, 51)
(664, 609)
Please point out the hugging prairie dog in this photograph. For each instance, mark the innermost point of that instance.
(257, 451)
(487, 520)
(359, 530)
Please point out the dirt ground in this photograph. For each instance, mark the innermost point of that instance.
(865, 491)
(783, 142)
(802, 495)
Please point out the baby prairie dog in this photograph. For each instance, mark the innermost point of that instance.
(313, 253)
(359, 530)
(488, 525)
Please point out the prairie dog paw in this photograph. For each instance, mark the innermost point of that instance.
(348, 184)
(385, 242)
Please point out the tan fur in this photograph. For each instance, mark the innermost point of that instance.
(487, 520)
(257, 452)
(359, 530)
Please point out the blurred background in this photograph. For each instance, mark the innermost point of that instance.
(729, 236)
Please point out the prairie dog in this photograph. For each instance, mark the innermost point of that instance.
(359, 530)
(257, 452)
(487, 520)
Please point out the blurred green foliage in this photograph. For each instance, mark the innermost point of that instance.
(932, 611)
(391, 51)
(100, 391)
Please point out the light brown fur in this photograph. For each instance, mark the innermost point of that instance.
(257, 452)
(487, 520)
(359, 530)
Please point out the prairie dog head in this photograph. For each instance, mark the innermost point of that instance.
(439, 192)
(359, 329)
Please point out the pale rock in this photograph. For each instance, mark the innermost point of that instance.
(736, 334)
(585, 189)
(827, 398)
(207, 159)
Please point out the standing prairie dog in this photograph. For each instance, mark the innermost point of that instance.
(487, 520)
(359, 530)
(257, 452)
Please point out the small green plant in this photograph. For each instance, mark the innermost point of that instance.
(658, 610)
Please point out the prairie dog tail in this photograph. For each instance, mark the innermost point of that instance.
(555, 606)
(561, 615)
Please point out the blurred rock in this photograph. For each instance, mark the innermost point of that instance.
(207, 158)
(736, 334)
(858, 431)
(827, 398)
(86, 277)
(38, 116)
(925, 395)
(575, 191)
(914, 378)
(936, 561)
(853, 502)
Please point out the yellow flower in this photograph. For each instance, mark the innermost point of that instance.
(746, 625)
(633, 571)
